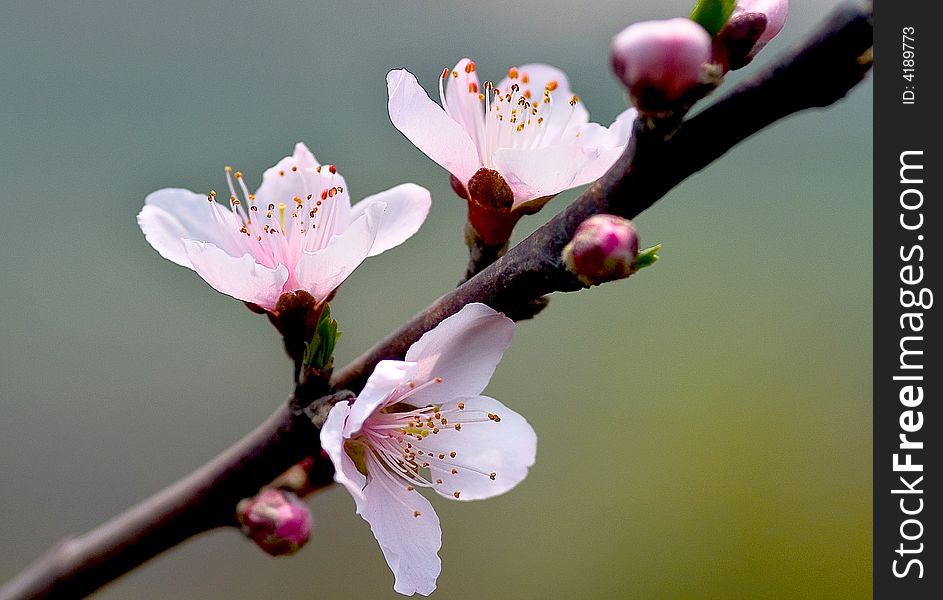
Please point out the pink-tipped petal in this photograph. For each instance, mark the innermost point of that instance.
(463, 350)
(173, 215)
(428, 126)
(406, 207)
(242, 278)
(386, 377)
(407, 529)
(332, 442)
(538, 172)
(506, 447)
(322, 271)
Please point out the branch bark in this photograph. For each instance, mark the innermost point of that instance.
(818, 73)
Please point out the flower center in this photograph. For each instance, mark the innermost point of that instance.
(405, 441)
(276, 234)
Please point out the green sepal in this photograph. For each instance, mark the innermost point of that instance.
(319, 352)
(712, 15)
(646, 257)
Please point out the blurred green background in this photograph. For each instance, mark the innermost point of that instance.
(705, 427)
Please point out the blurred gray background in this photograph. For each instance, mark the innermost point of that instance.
(704, 427)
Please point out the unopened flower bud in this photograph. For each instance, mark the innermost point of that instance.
(775, 12)
(603, 248)
(276, 520)
(752, 24)
(660, 61)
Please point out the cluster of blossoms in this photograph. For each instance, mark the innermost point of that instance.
(509, 147)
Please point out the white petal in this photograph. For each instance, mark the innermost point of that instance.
(409, 543)
(462, 100)
(428, 126)
(406, 207)
(322, 271)
(608, 142)
(506, 448)
(173, 215)
(332, 442)
(564, 120)
(463, 350)
(541, 171)
(386, 377)
(242, 278)
(281, 184)
(538, 75)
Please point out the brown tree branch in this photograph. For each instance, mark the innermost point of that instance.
(817, 74)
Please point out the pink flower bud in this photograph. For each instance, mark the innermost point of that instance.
(276, 520)
(774, 11)
(660, 61)
(602, 249)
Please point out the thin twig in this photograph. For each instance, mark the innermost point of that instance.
(817, 74)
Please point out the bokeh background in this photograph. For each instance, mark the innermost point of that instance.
(705, 427)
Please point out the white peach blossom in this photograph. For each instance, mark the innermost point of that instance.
(530, 128)
(297, 232)
(423, 423)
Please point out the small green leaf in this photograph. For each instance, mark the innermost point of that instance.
(712, 15)
(646, 257)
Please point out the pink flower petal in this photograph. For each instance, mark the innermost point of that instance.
(242, 278)
(462, 98)
(506, 447)
(332, 442)
(463, 350)
(775, 11)
(538, 172)
(535, 77)
(406, 207)
(428, 126)
(322, 271)
(297, 176)
(406, 527)
(609, 142)
(386, 377)
(173, 215)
